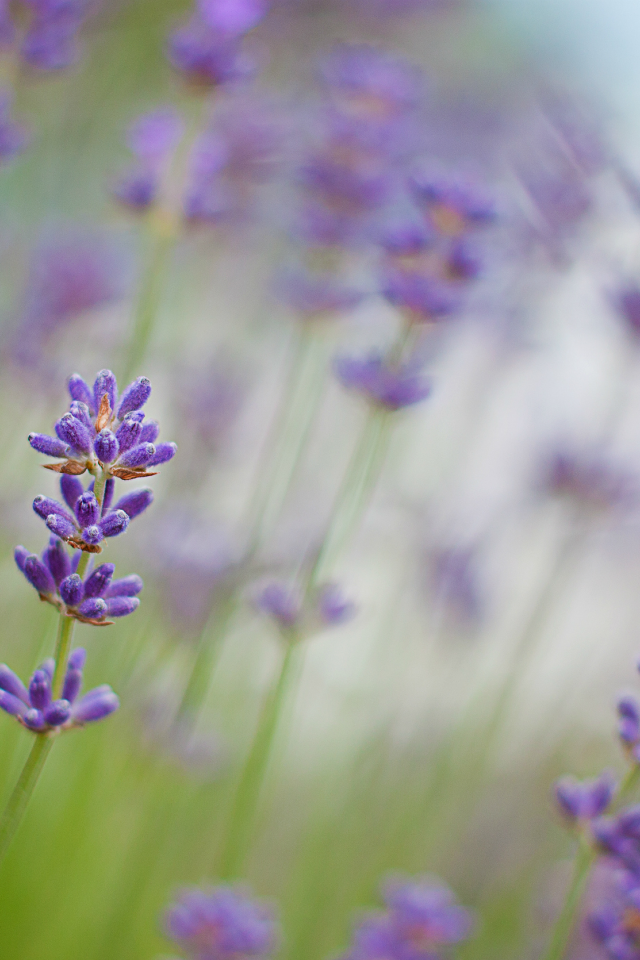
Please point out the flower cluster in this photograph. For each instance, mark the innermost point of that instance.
(383, 383)
(222, 923)
(50, 40)
(35, 708)
(583, 800)
(421, 917)
(93, 600)
(208, 49)
(104, 432)
(328, 607)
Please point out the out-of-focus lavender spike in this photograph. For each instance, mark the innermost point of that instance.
(425, 298)
(163, 453)
(11, 704)
(20, 555)
(150, 431)
(61, 526)
(87, 510)
(280, 601)
(128, 433)
(12, 684)
(57, 559)
(114, 523)
(136, 502)
(391, 387)
(72, 431)
(40, 690)
(105, 383)
(38, 575)
(96, 584)
(134, 397)
(333, 606)
(80, 390)
(121, 606)
(125, 587)
(138, 456)
(106, 447)
(205, 57)
(77, 660)
(72, 590)
(49, 446)
(71, 488)
(94, 706)
(93, 609)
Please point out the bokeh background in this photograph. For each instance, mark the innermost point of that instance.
(495, 568)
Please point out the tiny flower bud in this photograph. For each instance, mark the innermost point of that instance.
(76, 660)
(40, 690)
(81, 391)
(20, 554)
(128, 433)
(106, 446)
(97, 583)
(71, 489)
(121, 606)
(163, 453)
(134, 503)
(125, 587)
(58, 713)
(72, 590)
(150, 431)
(95, 706)
(114, 523)
(57, 559)
(33, 719)
(92, 535)
(105, 384)
(50, 446)
(61, 526)
(81, 412)
(134, 397)
(38, 575)
(138, 456)
(87, 510)
(73, 431)
(93, 609)
(11, 704)
(12, 684)
(45, 506)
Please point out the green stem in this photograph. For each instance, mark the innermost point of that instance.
(355, 491)
(63, 648)
(245, 802)
(207, 651)
(17, 803)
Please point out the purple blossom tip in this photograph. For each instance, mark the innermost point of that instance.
(106, 446)
(125, 587)
(74, 433)
(11, 704)
(138, 456)
(57, 560)
(121, 606)
(105, 385)
(11, 683)
(38, 575)
(114, 523)
(72, 590)
(390, 387)
(57, 713)
(587, 799)
(40, 690)
(98, 582)
(87, 509)
(134, 397)
(71, 488)
(61, 526)
(49, 446)
(20, 555)
(77, 660)
(163, 453)
(136, 502)
(94, 608)
(280, 602)
(95, 705)
(80, 390)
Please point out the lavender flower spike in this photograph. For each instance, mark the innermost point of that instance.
(382, 384)
(35, 709)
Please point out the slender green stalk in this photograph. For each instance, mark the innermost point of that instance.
(208, 648)
(245, 802)
(63, 649)
(23, 790)
(355, 491)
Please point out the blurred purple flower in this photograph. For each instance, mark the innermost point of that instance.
(207, 57)
(389, 386)
(232, 17)
(370, 83)
(455, 203)
(222, 923)
(152, 138)
(584, 799)
(589, 478)
(312, 294)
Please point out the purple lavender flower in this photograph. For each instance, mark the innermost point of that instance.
(284, 603)
(152, 138)
(206, 56)
(586, 799)
(370, 83)
(98, 425)
(333, 606)
(51, 39)
(222, 923)
(53, 576)
(629, 726)
(391, 387)
(454, 203)
(314, 295)
(589, 478)
(422, 916)
(280, 601)
(35, 707)
(423, 298)
(232, 17)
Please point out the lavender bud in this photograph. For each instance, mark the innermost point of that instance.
(87, 510)
(20, 555)
(134, 397)
(48, 666)
(72, 590)
(105, 383)
(95, 705)
(80, 390)
(73, 431)
(109, 489)
(11, 704)
(33, 719)
(38, 575)
(125, 587)
(40, 690)
(150, 431)
(281, 602)
(71, 488)
(61, 526)
(93, 609)
(128, 433)
(97, 583)
(163, 453)
(92, 535)
(72, 684)
(333, 607)
(58, 713)
(106, 446)
(136, 502)
(45, 506)
(121, 606)
(50, 446)
(11, 683)
(57, 559)
(76, 660)
(138, 456)
(114, 523)
(81, 412)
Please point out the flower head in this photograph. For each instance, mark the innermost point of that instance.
(206, 56)
(35, 708)
(328, 606)
(222, 923)
(152, 138)
(584, 799)
(386, 385)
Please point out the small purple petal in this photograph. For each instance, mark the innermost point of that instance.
(80, 390)
(11, 704)
(94, 608)
(38, 575)
(136, 502)
(163, 453)
(87, 510)
(34, 719)
(77, 660)
(72, 590)
(20, 555)
(40, 690)
(125, 587)
(128, 433)
(49, 446)
(81, 412)
(61, 526)
(11, 683)
(71, 488)
(114, 523)
(57, 559)
(150, 431)
(95, 705)
(121, 606)
(105, 383)
(134, 397)
(45, 506)
(138, 456)
(97, 583)
(58, 713)
(106, 447)
(72, 431)
(92, 535)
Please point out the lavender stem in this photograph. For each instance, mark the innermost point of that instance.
(17, 803)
